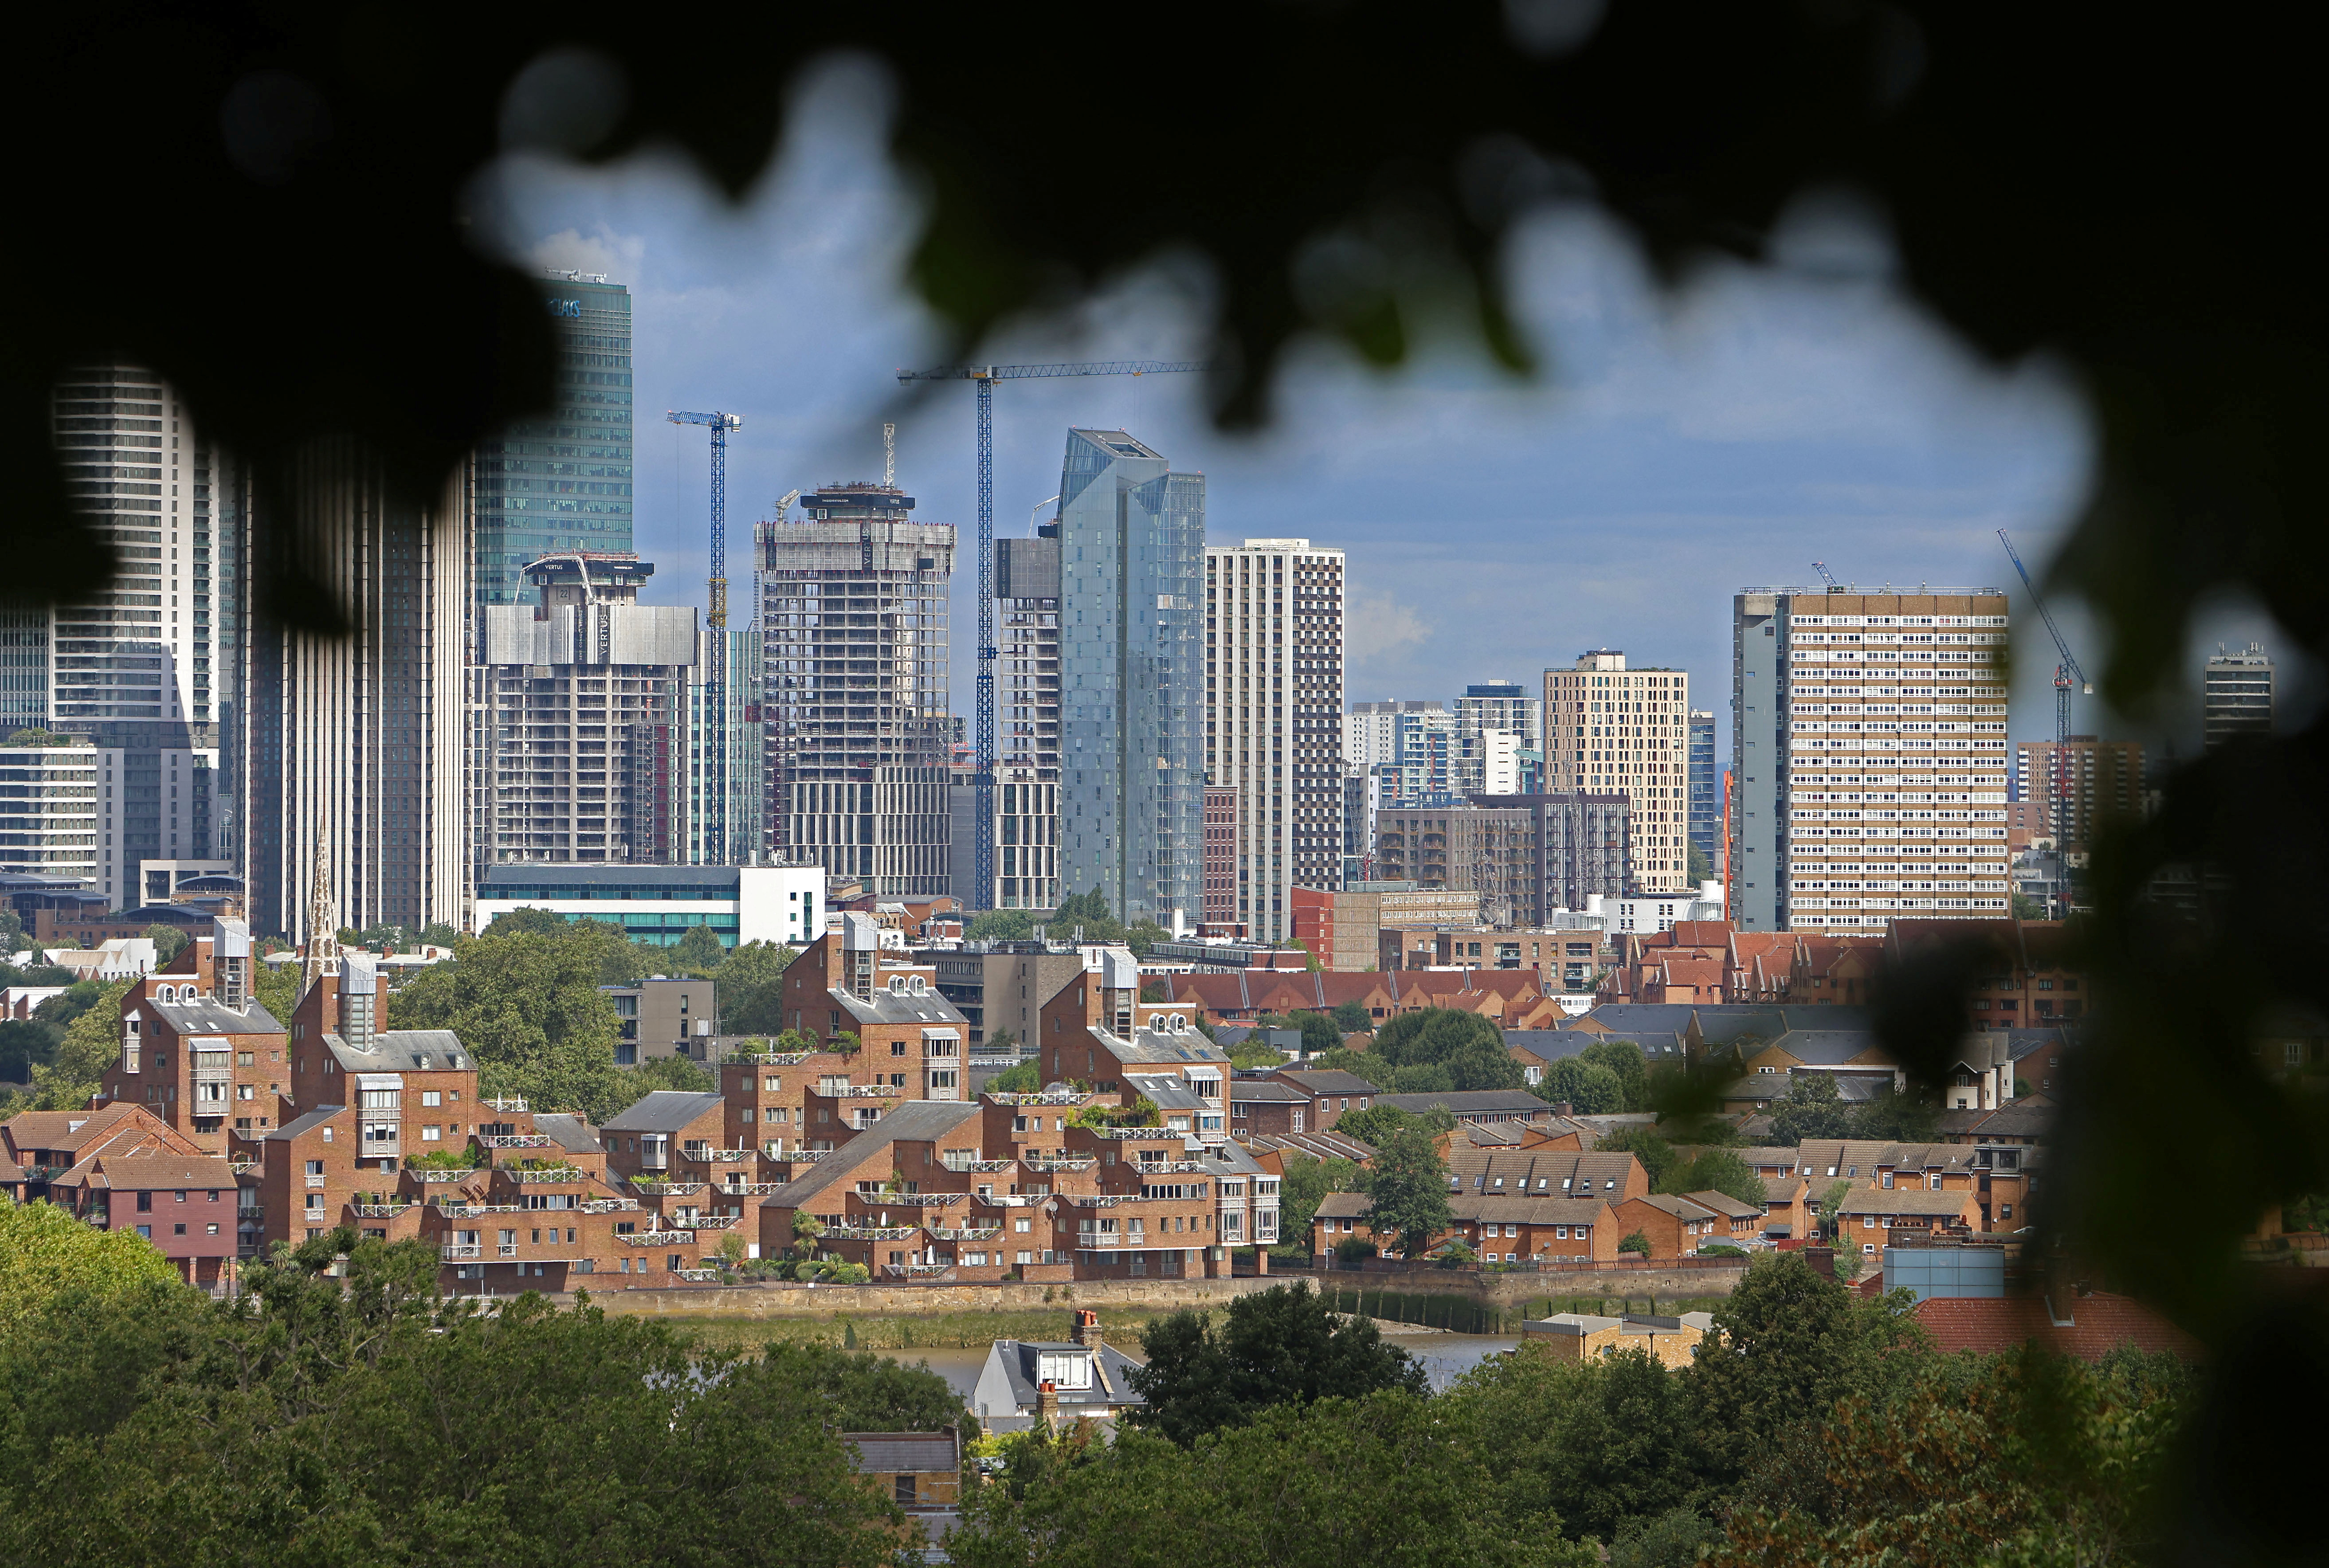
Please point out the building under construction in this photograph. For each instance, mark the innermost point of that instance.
(852, 607)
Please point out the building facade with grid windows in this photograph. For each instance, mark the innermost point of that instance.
(1608, 727)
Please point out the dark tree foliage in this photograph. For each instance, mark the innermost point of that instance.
(1353, 1018)
(1656, 1155)
(1407, 1183)
(1378, 1124)
(1467, 1049)
(355, 1420)
(1810, 1110)
(1597, 1444)
(1281, 1345)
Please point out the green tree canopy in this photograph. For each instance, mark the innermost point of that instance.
(1467, 1047)
(1596, 1443)
(1896, 1118)
(1377, 1124)
(1624, 1058)
(751, 988)
(1331, 1484)
(1306, 1184)
(1278, 1346)
(1812, 1109)
(91, 1043)
(1656, 1155)
(1714, 1170)
(1792, 1343)
(1020, 1079)
(528, 1005)
(1353, 1018)
(676, 1073)
(1409, 1184)
(698, 951)
(47, 1255)
(168, 941)
(1591, 1088)
(357, 1418)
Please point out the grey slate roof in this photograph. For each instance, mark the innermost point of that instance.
(1168, 1091)
(1550, 1045)
(1825, 1047)
(664, 1110)
(208, 1017)
(1259, 1091)
(889, 1452)
(1469, 1101)
(570, 1133)
(927, 1008)
(1112, 1389)
(1160, 1045)
(1333, 1082)
(402, 1051)
(315, 1118)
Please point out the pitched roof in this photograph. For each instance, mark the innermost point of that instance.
(1549, 1045)
(915, 1120)
(156, 1169)
(1344, 1206)
(1529, 1211)
(1161, 1045)
(1316, 1145)
(293, 1128)
(889, 1452)
(2087, 1326)
(1469, 1101)
(1917, 1203)
(1680, 1208)
(403, 1051)
(570, 1133)
(1541, 1172)
(1258, 1091)
(1332, 1081)
(1724, 1204)
(1019, 1359)
(1168, 1091)
(69, 1129)
(888, 1007)
(206, 1016)
(664, 1110)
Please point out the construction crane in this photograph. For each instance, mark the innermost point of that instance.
(2067, 673)
(1827, 577)
(717, 850)
(985, 376)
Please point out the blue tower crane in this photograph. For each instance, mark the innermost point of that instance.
(985, 376)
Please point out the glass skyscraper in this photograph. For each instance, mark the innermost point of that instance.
(563, 481)
(1132, 542)
(1705, 789)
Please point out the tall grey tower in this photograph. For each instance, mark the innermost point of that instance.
(1132, 547)
(355, 743)
(563, 481)
(147, 671)
(853, 617)
(2237, 697)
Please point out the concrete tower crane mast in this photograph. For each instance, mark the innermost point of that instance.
(985, 376)
(2067, 672)
(717, 849)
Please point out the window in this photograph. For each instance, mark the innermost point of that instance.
(430, 1132)
(145, 1202)
(147, 1232)
(432, 1097)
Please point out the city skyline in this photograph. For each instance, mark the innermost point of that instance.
(1676, 449)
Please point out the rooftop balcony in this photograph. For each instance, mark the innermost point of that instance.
(660, 1239)
(658, 1188)
(870, 1233)
(557, 1172)
(510, 1103)
(461, 1254)
(514, 1140)
(379, 1211)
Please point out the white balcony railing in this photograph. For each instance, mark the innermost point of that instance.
(460, 1254)
(514, 1140)
(314, 1183)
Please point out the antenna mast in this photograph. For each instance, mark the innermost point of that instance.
(889, 456)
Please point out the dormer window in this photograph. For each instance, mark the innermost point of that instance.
(897, 985)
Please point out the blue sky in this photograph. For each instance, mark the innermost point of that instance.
(1674, 447)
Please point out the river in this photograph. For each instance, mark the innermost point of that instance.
(1445, 1357)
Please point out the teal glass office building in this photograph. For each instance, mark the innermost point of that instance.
(1132, 780)
(563, 481)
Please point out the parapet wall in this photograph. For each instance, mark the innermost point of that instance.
(907, 1300)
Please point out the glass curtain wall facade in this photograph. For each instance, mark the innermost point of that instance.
(563, 481)
(1132, 542)
(146, 669)
(1705, 789)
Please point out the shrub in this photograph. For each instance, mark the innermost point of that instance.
(1720, 1249)
(1355, 1250)
(1637, 1243)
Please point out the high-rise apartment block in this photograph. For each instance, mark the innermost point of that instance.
(1488, 709)
(2079, 787)
(1528, 857)
(147, 670)
(563, 481)
(727, 813)
(852, 610)
(1705, 825)
(49, 807)
(355, 744)
(1371, 731)
(1132, 754)
(1611, 728)
(1274, 718)
(581, 750)
(2237, 696)
(1026, 724)
(1869, 745)
(1220, 917)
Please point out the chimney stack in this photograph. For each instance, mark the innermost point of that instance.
(1047, 1405)
(1086, 1331)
